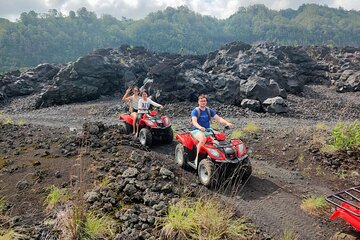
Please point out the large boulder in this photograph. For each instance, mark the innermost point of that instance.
(349, 81)
(260, 89)
(86, 79)
(275, 105)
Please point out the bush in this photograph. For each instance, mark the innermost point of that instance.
(346, 137)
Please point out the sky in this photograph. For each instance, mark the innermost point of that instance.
(137, 9)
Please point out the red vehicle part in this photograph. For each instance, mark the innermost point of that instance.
(127, 118)
(210, 148)
(348, 206)
(150, 126)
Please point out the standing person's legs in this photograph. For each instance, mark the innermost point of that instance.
(134, 116)
(139, 116)
(200, 136)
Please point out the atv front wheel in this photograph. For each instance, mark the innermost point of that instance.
(247, 170)
(145, 137)
(126, 128)
(180, 156)
(169, 135)
(206, 172)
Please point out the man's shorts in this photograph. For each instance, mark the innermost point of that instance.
(193, 132)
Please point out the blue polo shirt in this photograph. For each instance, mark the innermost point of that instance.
(204, 118)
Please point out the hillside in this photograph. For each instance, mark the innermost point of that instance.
(54, 38)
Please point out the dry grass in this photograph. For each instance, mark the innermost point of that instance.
(251, 127)
(236, 134)
(2, 204)
(202, 219)
(315, 205)
(98, 227)
(320, 135)
(70, 223)
(289, 234)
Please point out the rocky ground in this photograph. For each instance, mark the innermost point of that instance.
(136, 184)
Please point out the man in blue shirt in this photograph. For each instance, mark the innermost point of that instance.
(201, 117)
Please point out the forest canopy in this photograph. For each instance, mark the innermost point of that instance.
(57, 38)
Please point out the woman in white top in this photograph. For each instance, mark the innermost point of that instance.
(143, 106)
(133, 100)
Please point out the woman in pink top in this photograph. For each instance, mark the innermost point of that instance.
(143, 107)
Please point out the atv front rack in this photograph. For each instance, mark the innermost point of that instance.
(348, 206)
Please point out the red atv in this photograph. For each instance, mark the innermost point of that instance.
(347, 204)
(218, 158)
(151, 126)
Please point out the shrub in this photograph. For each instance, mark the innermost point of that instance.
(202, 219)
(346, 137)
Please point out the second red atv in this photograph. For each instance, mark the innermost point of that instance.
(218, 158)
(151, 126)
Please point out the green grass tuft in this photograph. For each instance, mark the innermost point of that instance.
(56, 196)
(236, 134)
(289, 234)
(98, 227)
(315, 205)
(251, 127)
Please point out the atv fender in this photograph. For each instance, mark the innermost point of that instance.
(186, 140)
(127, 118)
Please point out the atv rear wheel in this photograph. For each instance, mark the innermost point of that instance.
(126, 128)
(180, 157)
(145, 137)
(206, 171)
(169, 135)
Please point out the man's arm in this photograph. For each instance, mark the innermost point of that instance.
(222, 121)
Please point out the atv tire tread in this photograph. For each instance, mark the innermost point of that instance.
(210, 169)
(126, 127)
(180, 150)
(148, 137)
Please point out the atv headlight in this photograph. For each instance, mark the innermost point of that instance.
(150, 123)
(166, 121)
(241, 148)
(215, 153)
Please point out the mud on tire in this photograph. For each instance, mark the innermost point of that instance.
(180, 156)
(206, 172)
(125, 127)
(145, 137)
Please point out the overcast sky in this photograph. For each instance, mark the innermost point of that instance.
(136, 9)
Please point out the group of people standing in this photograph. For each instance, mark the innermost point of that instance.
(200, 116)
